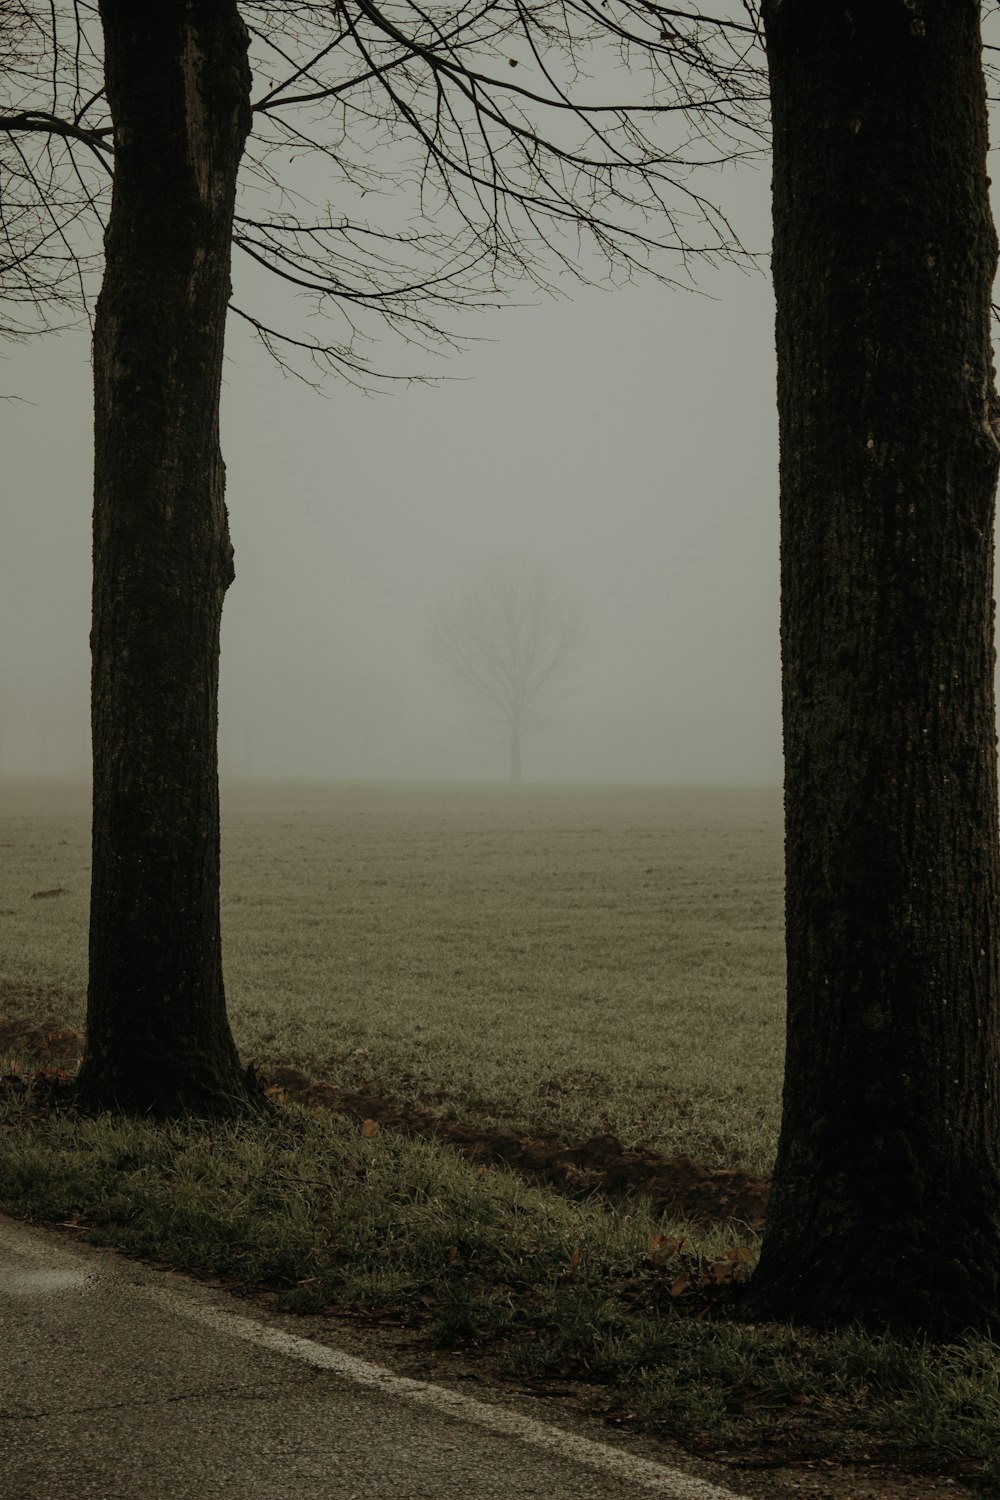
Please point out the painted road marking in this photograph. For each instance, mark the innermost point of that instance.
(671, 1483)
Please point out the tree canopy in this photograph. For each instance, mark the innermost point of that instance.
(403, 162)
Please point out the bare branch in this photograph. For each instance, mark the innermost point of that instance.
(55, 166)
(409, 158)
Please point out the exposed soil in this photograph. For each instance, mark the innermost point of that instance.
(674, 1184)
(601, 1164)
(45, 1044)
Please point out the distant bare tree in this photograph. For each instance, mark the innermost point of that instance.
(510, 645)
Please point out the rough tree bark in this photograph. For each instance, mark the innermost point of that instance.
(886, 1198)
(158, 1039)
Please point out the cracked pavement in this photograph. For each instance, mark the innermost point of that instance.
(125, 1382)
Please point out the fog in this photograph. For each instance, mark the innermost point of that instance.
(622, 441)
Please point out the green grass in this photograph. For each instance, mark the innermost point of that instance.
(588, 959)
(309, 1209)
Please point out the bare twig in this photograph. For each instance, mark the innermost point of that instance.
(409, 159)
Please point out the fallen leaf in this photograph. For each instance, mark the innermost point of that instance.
(662, 1248)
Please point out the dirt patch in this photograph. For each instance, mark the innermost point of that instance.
(602, 1164)
(47, 1043)
(674, 1184)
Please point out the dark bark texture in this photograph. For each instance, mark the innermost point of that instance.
(158, 1039)
(886, 1198)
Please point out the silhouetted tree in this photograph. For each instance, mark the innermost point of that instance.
(509, 645)
(478, 133)
(885, 1206)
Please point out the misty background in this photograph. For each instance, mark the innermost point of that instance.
(622, 441)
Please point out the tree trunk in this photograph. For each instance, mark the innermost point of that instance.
(886, 1197)
(158, 1039)
(515, 753)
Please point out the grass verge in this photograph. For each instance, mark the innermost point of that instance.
(327, 1215)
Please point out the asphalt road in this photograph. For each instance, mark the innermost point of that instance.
(124, 1382)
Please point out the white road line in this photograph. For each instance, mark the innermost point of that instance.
(672, 1483)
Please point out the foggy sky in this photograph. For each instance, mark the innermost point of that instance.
(623, 441)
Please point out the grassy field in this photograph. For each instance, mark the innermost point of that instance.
(589, 959)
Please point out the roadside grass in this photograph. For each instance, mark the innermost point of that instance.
(586, 960)
(329, 1216)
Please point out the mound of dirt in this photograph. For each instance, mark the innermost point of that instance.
(674, 1184)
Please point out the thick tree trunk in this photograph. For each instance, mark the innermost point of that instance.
(157, 1038)
(886, 1198)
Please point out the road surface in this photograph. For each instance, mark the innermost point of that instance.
(124, 1382)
